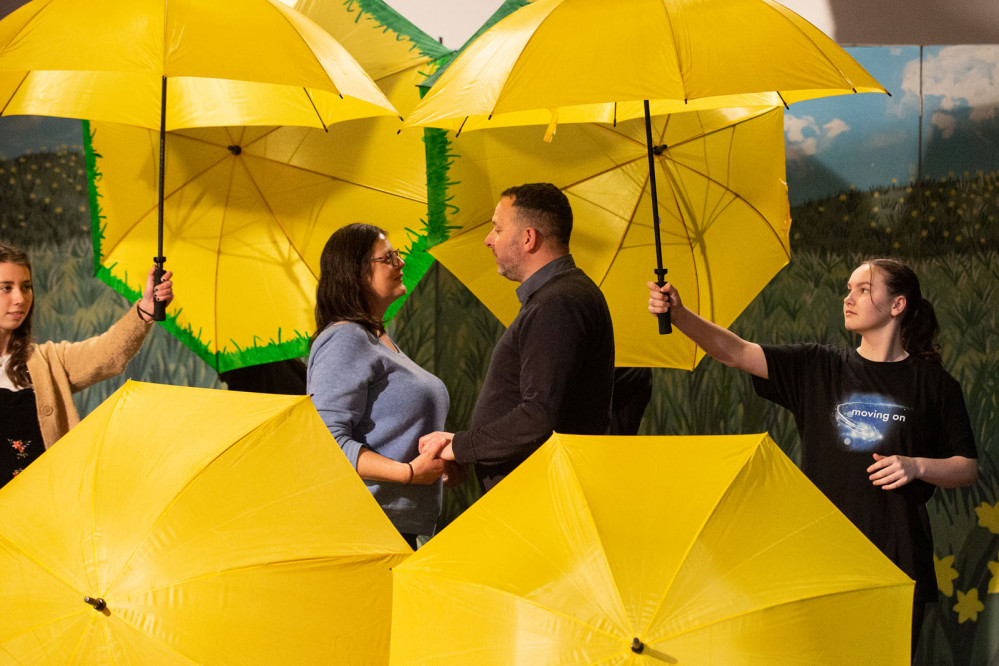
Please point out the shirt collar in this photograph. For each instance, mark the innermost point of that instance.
(543, 275)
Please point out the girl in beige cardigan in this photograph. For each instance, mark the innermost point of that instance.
(37, 381)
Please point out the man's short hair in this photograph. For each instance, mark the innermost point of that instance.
(544, 207)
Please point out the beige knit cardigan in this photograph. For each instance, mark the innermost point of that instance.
(59, 369)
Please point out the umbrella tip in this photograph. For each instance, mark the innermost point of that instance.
(99, 604)
(235, 150)
(637, 646)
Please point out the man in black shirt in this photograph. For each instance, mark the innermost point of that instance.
(553, 368)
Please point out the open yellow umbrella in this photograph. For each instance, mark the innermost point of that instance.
(249, 209)
(236, 533)
(680, 550)
(724, 214)
(171, 64)
(559, 61)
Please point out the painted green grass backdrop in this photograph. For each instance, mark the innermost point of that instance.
(946, 229)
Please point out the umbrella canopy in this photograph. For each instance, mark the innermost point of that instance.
(594, 61)
(170, 64)
(723, 205)
(236, 533)
(249, 209)
(557, 61)
(610, 550)
(255, 63)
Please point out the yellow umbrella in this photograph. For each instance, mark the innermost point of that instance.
(235, 533)
(249, 209)
(558, 61)
(724, 211)
(171, 64)
(680, 550)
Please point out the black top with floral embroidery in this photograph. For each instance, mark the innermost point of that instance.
(20, 436)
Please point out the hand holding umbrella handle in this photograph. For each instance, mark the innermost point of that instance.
(159, 307)
(665, 325)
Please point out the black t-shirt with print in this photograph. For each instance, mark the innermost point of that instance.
(846, 409)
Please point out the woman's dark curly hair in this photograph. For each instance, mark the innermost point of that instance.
(344, 268)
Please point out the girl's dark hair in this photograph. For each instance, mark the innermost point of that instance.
(344, 267)
(919, 320)
(19, 346)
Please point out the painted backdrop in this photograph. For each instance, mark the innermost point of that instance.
(913, 176)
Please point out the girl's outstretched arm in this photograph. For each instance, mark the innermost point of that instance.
(719, 343)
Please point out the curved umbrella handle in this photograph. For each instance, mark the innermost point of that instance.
(159, 307)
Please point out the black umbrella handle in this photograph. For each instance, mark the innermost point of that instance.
(665, 325)
(159, 307)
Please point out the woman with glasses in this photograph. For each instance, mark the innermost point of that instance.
(374, 399)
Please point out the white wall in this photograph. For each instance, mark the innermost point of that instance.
(849, 22)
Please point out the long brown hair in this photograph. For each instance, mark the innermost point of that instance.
(919, 320)
(344, 267)
(19, 346)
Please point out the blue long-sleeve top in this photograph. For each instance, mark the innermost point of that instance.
(369, 395)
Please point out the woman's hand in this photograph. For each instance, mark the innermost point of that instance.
(662, 299)
(427, 468)
(892, 472)
(155, 292)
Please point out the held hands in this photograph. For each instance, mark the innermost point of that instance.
(663, 299)
(427, 469)
(431, 465)
(892, 472)
(155, 292)
(438, 444)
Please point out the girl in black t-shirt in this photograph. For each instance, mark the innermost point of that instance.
(881, 425)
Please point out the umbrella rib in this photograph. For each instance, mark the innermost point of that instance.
(319, 559)
(736, 197)
(277, 221)
(94, 485)
(631, 218)
(312, 54)
(676, 50)
(135, 223)
(303, 169)
(14, 94)
(313, 103)
(690, 545)
(811, 41)
(458, 582)
(785, 538)
(237, 440)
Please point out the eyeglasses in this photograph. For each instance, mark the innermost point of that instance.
(392, 259)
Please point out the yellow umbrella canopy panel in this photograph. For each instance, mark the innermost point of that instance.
(569, 61)
(248, 209)
(107, 60)
(612, 550)
(723, 207)
(231, 531)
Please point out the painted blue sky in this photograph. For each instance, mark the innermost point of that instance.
(870, 140)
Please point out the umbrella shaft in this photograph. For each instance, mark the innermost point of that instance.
(660, 271)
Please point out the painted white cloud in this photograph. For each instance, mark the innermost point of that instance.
(835, 127)
(796, 128)
(804, 136)
(945, 123)
(962, 76)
